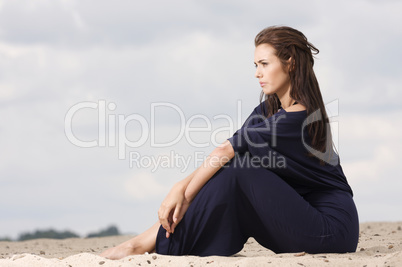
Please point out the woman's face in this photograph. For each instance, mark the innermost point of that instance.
(273, 79)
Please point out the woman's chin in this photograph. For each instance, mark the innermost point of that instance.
(267, 92)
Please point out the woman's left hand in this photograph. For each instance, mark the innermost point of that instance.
(173, 208)
(177, 217)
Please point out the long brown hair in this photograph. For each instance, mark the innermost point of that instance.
(291, 43)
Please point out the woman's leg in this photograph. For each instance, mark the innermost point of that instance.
(211, 225)
(140, 244)
(242, 201)
(282, 220)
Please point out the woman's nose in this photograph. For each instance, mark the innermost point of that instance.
(257, 73)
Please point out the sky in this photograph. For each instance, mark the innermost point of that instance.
(100, 101)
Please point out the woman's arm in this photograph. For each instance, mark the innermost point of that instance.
(219, 157)
(182, 194)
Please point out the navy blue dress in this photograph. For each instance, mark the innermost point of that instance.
(271, 190)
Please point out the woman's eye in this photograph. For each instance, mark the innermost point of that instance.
(264, 64)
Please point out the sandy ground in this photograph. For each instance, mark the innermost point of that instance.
(380, 245)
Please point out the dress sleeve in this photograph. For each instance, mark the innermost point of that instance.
(254, 118)
(264, 136)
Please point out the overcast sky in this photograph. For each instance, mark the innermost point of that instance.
(127, 58)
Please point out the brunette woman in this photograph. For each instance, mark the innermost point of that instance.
(277, 179)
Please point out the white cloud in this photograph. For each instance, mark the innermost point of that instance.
(375, 168)
(143, 185)
(369, 148)
(370, 144)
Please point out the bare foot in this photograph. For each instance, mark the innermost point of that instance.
(119, 252)
(139, 244)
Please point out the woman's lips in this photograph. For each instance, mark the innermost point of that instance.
(262, 84)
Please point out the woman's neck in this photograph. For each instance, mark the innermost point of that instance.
(285, 99)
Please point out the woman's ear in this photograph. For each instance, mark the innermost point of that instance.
(291, 64)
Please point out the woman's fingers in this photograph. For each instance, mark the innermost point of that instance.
(164, 218)
(176, 216)
(170, 210)
(174, 225)
(176, 213)
(165, 224)
(169, 220)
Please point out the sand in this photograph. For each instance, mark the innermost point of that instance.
(380, 244)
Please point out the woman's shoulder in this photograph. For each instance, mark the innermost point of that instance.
(295, 108)
(261, 109)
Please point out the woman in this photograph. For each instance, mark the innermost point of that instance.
(277, 179)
